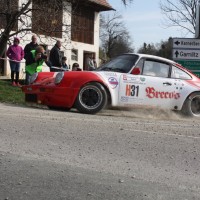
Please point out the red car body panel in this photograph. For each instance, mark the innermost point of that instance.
(63, 94)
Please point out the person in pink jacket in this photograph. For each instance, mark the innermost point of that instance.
(15, 53)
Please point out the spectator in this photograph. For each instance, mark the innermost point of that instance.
(15, 53)
(75, 67)
(34, 62)
(64, 63)
(95, 63)
(90, 66)
(55, 57)
(30, 46)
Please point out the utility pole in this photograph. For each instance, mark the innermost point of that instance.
(197, 27)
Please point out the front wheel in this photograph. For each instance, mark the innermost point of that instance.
(191, 106)
(91, 99)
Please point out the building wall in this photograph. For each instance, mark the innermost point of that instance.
(85, 48)
(67, 44)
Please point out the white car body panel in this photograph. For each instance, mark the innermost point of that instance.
(128, 90)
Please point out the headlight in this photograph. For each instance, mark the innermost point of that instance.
(33, 77)
(59, 77)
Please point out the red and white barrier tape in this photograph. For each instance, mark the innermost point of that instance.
(60, 68)
(11, 60)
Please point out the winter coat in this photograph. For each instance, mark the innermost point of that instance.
(15, 52)
(28, 48)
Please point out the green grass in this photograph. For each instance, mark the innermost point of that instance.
(10, 94)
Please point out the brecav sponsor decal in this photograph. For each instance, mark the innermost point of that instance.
(113, 82)
(152, 93)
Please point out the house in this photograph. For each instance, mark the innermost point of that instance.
(75, 24)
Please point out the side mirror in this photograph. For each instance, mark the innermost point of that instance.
(136, 71)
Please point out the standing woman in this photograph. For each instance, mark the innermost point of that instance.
(15, 53)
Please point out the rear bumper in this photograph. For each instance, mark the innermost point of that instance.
(50, 95)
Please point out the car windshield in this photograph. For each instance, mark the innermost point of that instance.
(123, 63)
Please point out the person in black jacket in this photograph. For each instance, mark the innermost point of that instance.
(30, 46)
(55, 57)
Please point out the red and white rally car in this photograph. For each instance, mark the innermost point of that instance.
(129, 79)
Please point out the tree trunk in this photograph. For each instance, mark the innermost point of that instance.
(3, 43)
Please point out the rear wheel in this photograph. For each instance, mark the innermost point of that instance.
(91, 99)
(191, 106)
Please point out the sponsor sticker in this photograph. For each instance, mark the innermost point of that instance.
(113, 82)
(152, 93)
(134, 79)
(110, 73)
(124, 99)
(142, 79)
(125, 77)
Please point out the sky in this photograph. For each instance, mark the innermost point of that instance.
(144, 21)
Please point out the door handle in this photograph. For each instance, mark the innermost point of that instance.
(167, 83)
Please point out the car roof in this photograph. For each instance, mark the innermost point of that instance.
(154, 57)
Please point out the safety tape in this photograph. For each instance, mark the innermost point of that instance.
(60, 68)
(11, 60)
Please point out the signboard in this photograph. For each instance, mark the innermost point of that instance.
(190, 64)
(186, 51)
(193, 66)
(186, 43)
(186, 54)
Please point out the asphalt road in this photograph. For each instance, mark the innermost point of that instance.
(118, 155)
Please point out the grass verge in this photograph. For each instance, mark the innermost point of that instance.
(10, 94)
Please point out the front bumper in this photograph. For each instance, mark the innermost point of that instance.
(50, 95)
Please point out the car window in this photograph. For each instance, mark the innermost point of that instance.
(122, 63)
(179, 74)
(155, 68)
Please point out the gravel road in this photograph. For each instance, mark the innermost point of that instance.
(118, 155)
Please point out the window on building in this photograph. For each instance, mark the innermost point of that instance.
(47, 18)
(82, 27)
(74, 55)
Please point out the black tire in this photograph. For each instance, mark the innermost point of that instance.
(191, 105)
(91, 98)
(58, 108)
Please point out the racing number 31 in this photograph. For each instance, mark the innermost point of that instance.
(132, 90)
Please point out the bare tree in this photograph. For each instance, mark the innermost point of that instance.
(114, 36)
(39, 16)
(162, 49)
(180, 13)
(125, 2)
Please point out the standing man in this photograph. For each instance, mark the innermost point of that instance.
(30, 46)
(90, 66)
(55, 57)
(15, 53)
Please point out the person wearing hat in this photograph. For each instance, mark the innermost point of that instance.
(34, 62)
(15, 53)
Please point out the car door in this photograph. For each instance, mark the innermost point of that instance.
(153, 87)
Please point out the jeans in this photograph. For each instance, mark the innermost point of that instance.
(27, 80)
(14, 66)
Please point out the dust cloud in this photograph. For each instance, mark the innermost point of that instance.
(144, 113)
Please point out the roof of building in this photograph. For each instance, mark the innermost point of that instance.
(102, 5)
